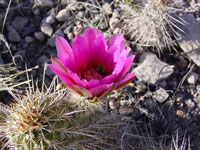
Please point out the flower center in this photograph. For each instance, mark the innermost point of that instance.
(95, 74)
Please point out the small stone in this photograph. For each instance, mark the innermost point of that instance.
(29, 39)
(151, 69)
(19, 23)
(43, 59)
(3, 3)
(63, 15)
(44, 3)
(70, 36)
(28, 30)
(52, 40)
(36, 11)
(163, 84)
(190, 104)
(46, 29)
(39, 36)
(13, 36)
(190, 39)
(50, 19)
(125, 110)
(114, 105)
(116, 31)
(106, 7)
(160, 95)
(192, 78)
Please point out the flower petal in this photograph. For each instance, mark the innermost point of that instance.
(81, 52)
(90, 35)
(126, 67)
(127, 79)
(62, 74)
(116, 39)
(99, 90)
(63, 49)
(97, 52)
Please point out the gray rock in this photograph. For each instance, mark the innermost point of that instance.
(50, 19)
(114, 105)
(63, 15)
(52, 40)
(39, 36)
(190, 104)
(151, 69)
(160, 95)
(192, 78)
(190, 42)
(44, 3)
(43, 59)
(3, 3)
(19, 23)
(46, 29)
(29, 39)
(14, 36)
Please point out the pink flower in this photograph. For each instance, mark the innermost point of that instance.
(93, 67)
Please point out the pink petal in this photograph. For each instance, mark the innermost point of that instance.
(125, 81)
(90, 35)
(63, 49)
(97, 52)
(93, 83)
(116, 39)
(99, 90)
(126, 67)
(62, 74)
(112, 56)
(81, 52)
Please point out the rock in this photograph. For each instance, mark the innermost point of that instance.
(14, 36)
(136, 114)
(19, 23)
(29, 39)
(160, 95)
(190, 104)
(46, 29)
(190, 42)
(28, 30)
(125, 110)
(39, 36)
(50, 19)
(114, 105)
(3, 3)
(192, 78)
(52, 40)
(44, 3)
(43, 59)
(151, 69)
(63, 15)
(106, 7)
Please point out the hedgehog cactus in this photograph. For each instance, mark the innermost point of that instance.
(154, 23)
(51, 121)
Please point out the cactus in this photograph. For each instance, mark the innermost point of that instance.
(153, 23)
(55, 120)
